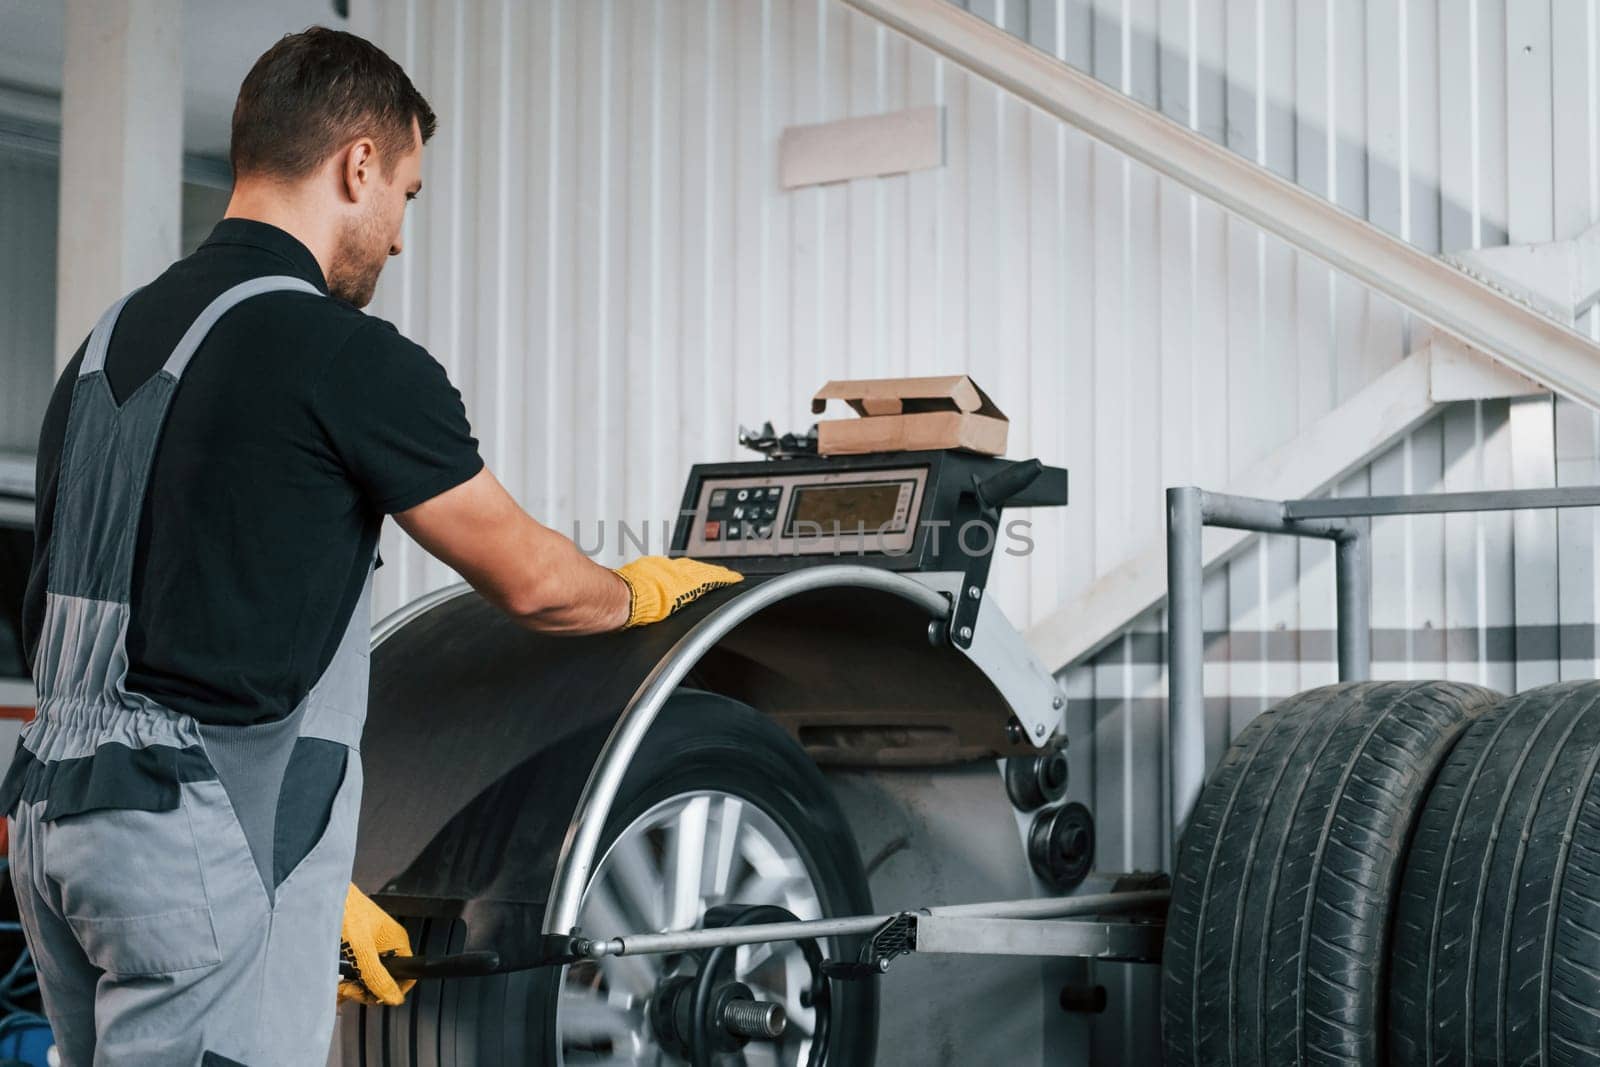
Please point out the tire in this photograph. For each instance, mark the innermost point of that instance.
(1287, 872)
(1496, 951)
(702, 744)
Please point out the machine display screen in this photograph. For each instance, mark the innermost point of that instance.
(869, 506)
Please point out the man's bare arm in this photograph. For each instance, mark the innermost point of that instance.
(529, 571)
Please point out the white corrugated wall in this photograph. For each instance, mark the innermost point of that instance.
(604, 261)
(606, 264)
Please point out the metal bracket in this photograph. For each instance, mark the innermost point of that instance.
(894, 938)
(967, 599)
(1000, 651)
(981, 505)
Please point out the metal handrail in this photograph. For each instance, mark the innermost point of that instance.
(1190, 510)
(1528, 341)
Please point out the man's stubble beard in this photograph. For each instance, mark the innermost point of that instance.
(358, 260)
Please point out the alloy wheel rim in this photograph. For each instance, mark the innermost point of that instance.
(686, 854)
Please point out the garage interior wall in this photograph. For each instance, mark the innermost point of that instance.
(606, 264)
(29, 194)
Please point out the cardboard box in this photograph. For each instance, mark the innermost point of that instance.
(907, 414)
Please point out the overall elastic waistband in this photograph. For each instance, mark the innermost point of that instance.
(71, 729)
(83, 756)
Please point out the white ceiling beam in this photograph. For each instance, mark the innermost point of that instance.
(1462, 306)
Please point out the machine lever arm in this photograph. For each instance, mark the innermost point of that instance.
(989, 495)
(460, 965)
(998, 488)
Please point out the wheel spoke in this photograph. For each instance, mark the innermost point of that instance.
(688, 864)
(636, 879)
(796, 981)
(764, 889)
(586, 1016)
(729, 822)
(751, 957)
(636, 974)
(802, 1022)
(762, 1054)
(772, 871)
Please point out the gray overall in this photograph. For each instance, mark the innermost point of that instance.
(181, 885)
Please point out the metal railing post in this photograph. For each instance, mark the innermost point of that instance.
(1186, 738)
(1353, 583)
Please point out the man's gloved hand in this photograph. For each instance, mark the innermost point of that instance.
(368, 933)
(660, 586)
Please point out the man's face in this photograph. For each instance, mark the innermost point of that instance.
(372, 234)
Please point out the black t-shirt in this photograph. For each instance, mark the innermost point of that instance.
(297, 426)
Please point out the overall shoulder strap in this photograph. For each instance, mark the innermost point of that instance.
(219, 307)
(94, 356)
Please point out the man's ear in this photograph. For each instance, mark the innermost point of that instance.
(358, 168)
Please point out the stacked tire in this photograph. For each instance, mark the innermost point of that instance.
(1289, 869)
(1394, 872)
(1496, 949)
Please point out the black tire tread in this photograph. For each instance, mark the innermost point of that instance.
(1496, 954)
(1287, 870)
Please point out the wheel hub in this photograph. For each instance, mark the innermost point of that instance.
(734, 1019)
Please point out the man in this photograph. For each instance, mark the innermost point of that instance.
(214, 468)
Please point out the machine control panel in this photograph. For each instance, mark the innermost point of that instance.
(923, 510)
(772, 511)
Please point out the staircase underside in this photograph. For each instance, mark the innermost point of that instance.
(1501, 307)
(1337, 444)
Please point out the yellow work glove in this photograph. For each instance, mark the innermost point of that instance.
(369, 933)
(658, 586)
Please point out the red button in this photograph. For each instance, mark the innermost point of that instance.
(713, 530)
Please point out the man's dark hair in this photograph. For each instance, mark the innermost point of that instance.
(314, 92)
